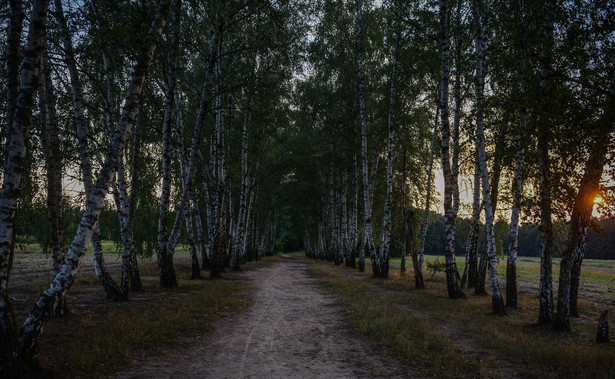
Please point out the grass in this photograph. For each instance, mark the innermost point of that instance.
(460, 338)
(99, 336)
(412, 338)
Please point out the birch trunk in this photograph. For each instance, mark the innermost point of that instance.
(197, 134)
(449, 180)
(135, 276)
(206, 258)
(345, 251)
(403, 208)
(166, 270)
(511, 262)
(111, 289)
(18, 131)
(248, 227)
(53, 165)
(428, 195)
(363, 116)
(418, 274)
(494, 191)
(13, 58)
(46, 304)
(386, 241)
(479, 46)
(333, 248)
(120, 192)
(470, 272)
(545, 313)
(355, 216)
(219, 255)
(194, 260)
(580, 220)
(199, 232)
(241, 216)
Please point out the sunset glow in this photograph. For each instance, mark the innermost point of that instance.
(598, 199)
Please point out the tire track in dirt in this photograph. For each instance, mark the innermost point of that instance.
(293, 329)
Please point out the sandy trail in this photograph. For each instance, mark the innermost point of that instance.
(293, 329)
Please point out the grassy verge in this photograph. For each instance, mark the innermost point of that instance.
(456, 338)
(99, 336)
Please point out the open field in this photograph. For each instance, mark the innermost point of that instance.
(597, 284)
(456, 338)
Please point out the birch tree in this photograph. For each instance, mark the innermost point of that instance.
(602, 135)
(111, 288)
(471, 270)
(18, 130)
(452, 285)
(46, 304)
(428, 195)
(53, 166)
(386, 243)
(511, 265)
(478, 11)
(545, 312)
(363, 117)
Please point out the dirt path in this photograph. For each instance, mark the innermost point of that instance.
(293, 329)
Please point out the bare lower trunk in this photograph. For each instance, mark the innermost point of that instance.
(471, 269)
(135, 276)
(53, 165)
(428, 195)
(112, 291)
(194, 260)
(199, 232)
(368, 213)
(418, 274)
(354, 240)
(242, 212)
(511, 262)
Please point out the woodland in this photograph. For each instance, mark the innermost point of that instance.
(243, 128)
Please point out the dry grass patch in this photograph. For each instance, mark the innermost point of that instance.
(461, 337)
(99, 336)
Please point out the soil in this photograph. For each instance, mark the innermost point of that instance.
(293, 329)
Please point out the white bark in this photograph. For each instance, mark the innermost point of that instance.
(479, 46)
(14, 165)
(511, 282)
(545, 313)
(238, 245)
(386, 240)
(428, 195)
(449, 179)
(367, 207)
(53, 163)
(470, 271)
(196, 272)
(165, 261)
(46, 304)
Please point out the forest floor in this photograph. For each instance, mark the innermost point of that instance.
(293, 329)
(291, 316)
